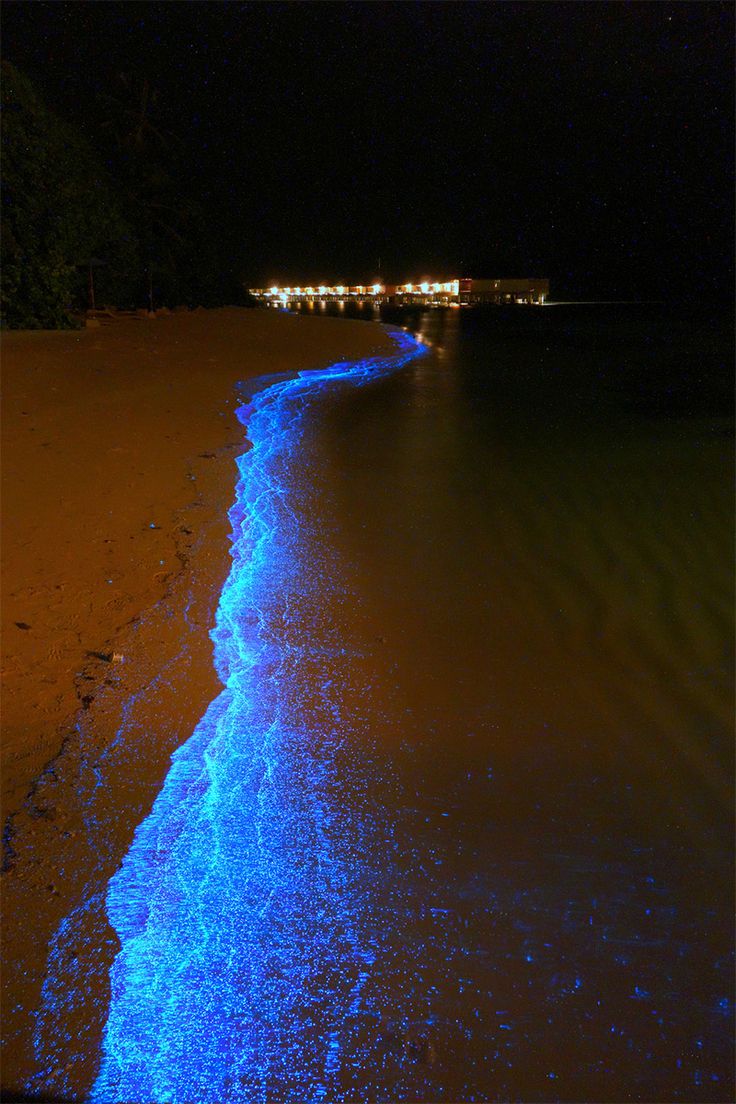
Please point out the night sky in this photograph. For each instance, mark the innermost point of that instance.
(588, 142)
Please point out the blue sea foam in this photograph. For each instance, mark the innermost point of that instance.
(238, 906)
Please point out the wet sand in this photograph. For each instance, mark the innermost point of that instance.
(119, 446)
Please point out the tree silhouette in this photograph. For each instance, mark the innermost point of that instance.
(60, 209)
(132, 116)
(146, 153)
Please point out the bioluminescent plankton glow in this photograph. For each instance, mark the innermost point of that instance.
(238, 906)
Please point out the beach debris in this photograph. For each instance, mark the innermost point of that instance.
(118, 657)
(153, 525)
(419, 1048)
(410, 1041)
(22, 625)
(43, 812)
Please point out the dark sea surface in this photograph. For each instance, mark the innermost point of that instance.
(531, 533)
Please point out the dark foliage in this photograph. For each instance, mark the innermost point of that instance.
(114, 217)
(61, 210)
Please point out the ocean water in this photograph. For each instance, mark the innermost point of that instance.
(459, 827)
(538, 520)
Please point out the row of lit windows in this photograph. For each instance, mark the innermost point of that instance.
(451, 287)
(373, 289)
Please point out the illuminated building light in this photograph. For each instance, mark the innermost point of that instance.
(283, 297)
(244, 946)
(472, 291)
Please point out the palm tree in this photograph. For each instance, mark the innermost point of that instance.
(132, 111)
(144, 148)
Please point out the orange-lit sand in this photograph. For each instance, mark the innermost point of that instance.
(119, 446)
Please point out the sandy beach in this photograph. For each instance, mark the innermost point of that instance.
(118, 472)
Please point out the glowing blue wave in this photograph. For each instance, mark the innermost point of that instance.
(238, 906)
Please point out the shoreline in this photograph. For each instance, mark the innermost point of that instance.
(100, 711)
(102, 588)
(151, 901)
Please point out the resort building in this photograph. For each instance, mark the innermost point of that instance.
(432, 292)
(504, 291)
